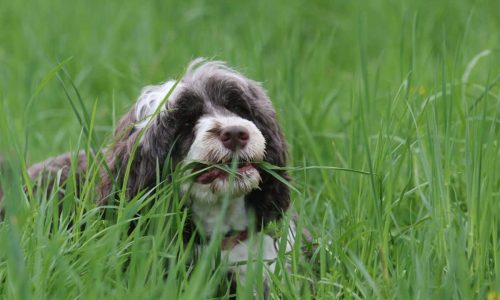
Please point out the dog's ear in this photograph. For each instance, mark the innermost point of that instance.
(117, 156)
(148, 151)
(272, 198)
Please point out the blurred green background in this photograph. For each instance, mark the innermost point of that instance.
(303, 51)
(399, 88)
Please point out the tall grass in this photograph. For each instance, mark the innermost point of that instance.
(404, 91)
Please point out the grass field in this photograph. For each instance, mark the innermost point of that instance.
(406, 91)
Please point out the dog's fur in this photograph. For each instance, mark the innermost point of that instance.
(186, 127)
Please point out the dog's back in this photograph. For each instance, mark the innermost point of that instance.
(53, 172)
(50, 168)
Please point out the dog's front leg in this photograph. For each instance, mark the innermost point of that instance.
(241, 254)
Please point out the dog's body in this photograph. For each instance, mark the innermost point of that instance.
(213, 115)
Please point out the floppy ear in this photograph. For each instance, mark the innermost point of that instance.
(272, 199)
(117, 156)
(151, 153)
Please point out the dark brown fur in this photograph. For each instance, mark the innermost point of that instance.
(49, 169)
(61, 163)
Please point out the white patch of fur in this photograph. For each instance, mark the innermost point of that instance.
(240, 253)
(206, 214)
(238, 256)
(151, 97)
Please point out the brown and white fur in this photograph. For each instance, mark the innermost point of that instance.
(212, 115)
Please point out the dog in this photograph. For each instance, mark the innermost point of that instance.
(212, 116)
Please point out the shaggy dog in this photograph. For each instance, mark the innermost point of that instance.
(212, 116)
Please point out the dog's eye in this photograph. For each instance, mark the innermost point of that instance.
(241, 108)
(236, 103)
(188, 109)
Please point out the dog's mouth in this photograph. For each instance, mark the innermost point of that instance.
(208, 173)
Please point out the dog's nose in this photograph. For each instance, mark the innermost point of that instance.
(234, 137)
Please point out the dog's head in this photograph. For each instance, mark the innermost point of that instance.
(212, 116)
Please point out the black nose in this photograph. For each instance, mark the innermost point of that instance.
(234, 137)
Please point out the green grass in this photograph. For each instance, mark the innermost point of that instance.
(405, 90)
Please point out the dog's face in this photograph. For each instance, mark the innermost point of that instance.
(212, 116)
(221, 136)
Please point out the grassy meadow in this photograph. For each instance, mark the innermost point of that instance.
(405, 91)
